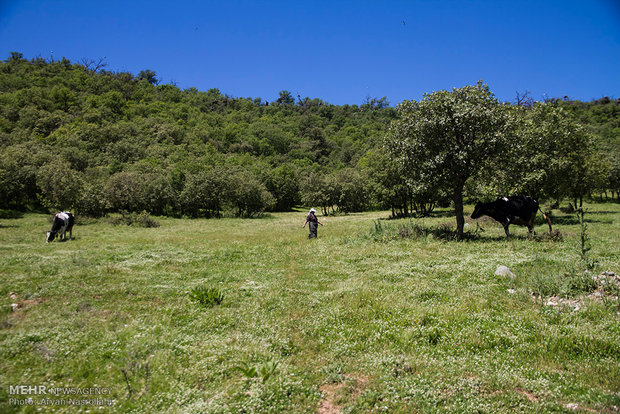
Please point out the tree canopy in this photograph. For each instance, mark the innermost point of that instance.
(446, 138)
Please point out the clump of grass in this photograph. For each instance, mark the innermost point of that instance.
(554, 236)
(263, 371)
(143, 219)
(568, 284)
(409, 230)
(4, 316)
(81, 220)
(414, 230)
(207, 297)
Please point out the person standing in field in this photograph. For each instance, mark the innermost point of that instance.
(313, 224)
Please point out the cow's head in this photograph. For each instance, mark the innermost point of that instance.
(478, 211)
(50, 236)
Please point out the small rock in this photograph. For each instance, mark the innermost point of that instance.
(14, 306)
(504, 271)
(13, 296)
(511, 291)
(572, 406)
(608, 273)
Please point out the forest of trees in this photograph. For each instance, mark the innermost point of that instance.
(74, 136)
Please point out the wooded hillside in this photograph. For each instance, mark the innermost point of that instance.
(75, 136)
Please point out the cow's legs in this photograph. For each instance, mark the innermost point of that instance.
(506, 224)
(506, 229)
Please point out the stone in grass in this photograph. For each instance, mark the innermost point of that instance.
(504, 271)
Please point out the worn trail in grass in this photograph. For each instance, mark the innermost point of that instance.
(353, 321)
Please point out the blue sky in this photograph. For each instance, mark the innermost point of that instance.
(338, 51)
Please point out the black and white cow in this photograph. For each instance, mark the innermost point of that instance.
(62, 223)
(520, 210)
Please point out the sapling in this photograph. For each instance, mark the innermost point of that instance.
(584, 245)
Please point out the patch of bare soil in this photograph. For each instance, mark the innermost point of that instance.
(23, 304)
(352, 388)
(527, 394)
(328, 404)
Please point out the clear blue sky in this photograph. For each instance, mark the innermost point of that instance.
(339, 51)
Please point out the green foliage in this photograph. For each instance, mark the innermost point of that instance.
(149, 76)
(205, 193)
(124, 191)
(207, 297)
(162, 146)
(248, 195)
(584, 241)
(60, 187)
(443, 140)
(263, 371)
(387, 183)
(134, 144)
(552, 156)
(283, 183)
(352, 191)
(318, 190)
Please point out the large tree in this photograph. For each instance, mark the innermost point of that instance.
(552, 158)
(444, 139)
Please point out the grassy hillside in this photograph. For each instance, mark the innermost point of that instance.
(356, 320)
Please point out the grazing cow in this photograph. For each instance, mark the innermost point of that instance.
(520, 210)
(62, 223)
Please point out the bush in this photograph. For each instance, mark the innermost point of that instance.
(91, 201)
(124, 191)
(60, 187)
(249, 196)
(205, 193)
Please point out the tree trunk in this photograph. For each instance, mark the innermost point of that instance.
(458, 210)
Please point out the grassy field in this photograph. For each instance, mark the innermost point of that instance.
(373, 316)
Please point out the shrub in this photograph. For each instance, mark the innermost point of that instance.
(124, 191)
(205, 193)
(59, 186)
(249, 195)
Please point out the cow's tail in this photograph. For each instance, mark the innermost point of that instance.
(546, 218)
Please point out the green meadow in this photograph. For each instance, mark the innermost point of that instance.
(375, 315)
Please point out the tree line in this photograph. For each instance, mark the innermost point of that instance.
(75, 136)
